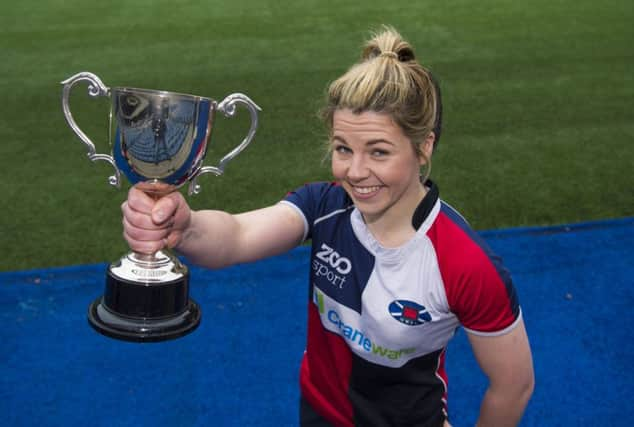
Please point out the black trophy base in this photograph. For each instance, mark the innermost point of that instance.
(138, 311)
(124, 328)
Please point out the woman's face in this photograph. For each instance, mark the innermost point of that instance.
(376, 164)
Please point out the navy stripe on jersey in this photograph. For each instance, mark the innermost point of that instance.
(332, 269)
(340, 268)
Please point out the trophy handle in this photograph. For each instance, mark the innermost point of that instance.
(228, 107)
(95, 88)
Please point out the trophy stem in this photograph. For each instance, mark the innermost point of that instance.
(155, 188)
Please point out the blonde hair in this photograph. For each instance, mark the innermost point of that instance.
(388, 79)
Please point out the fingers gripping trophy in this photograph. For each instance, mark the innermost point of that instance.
(159, 140)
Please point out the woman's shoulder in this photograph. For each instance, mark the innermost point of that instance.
(456, 243)
(319, 199)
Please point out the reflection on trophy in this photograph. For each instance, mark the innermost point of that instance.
(159, 140)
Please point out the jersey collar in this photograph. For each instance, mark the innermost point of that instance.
(426, 205)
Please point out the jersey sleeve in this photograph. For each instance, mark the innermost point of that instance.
(310, 200)
(479, 289)
(486, 302)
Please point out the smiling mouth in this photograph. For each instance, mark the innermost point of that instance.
(364, 191)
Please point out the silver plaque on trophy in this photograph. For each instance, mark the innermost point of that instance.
(158, 140)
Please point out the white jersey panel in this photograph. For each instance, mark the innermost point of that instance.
(404, 302)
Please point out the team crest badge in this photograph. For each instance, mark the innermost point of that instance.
(409, 313)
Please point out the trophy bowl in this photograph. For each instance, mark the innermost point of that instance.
(159, 140)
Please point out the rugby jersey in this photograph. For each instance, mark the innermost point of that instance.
(379, 319)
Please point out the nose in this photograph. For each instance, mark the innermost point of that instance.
(358, 168)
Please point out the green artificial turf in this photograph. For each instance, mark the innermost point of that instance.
(538, 97)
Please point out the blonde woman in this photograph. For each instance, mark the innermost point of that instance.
(394, 270)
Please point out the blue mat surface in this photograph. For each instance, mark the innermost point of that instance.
(240, 367)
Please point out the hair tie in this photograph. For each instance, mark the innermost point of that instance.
(389, 54)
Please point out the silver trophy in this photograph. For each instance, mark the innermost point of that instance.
(159, 140)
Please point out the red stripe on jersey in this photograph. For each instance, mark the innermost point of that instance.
(475, 291)
(325, 372)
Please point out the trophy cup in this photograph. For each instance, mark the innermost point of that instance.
(159, 140)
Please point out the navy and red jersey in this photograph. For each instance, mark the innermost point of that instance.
(379, 319)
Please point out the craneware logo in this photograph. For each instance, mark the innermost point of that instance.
(409, 312)
(356, 337)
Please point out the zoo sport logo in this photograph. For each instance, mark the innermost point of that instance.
(329, 264)
(409, 313)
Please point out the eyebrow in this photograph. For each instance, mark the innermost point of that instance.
(339, 139)
(370, 142)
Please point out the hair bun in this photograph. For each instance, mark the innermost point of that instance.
(388, 44)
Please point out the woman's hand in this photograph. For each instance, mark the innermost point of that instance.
(151, 224)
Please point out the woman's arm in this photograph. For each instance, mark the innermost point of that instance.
(507, 362)
(217, 239)
(209, 238)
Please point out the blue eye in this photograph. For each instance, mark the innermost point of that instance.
(379, 153)
(342, 149)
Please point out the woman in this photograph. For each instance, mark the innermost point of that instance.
(394, 270)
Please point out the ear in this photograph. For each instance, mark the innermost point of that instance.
(427, 147)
